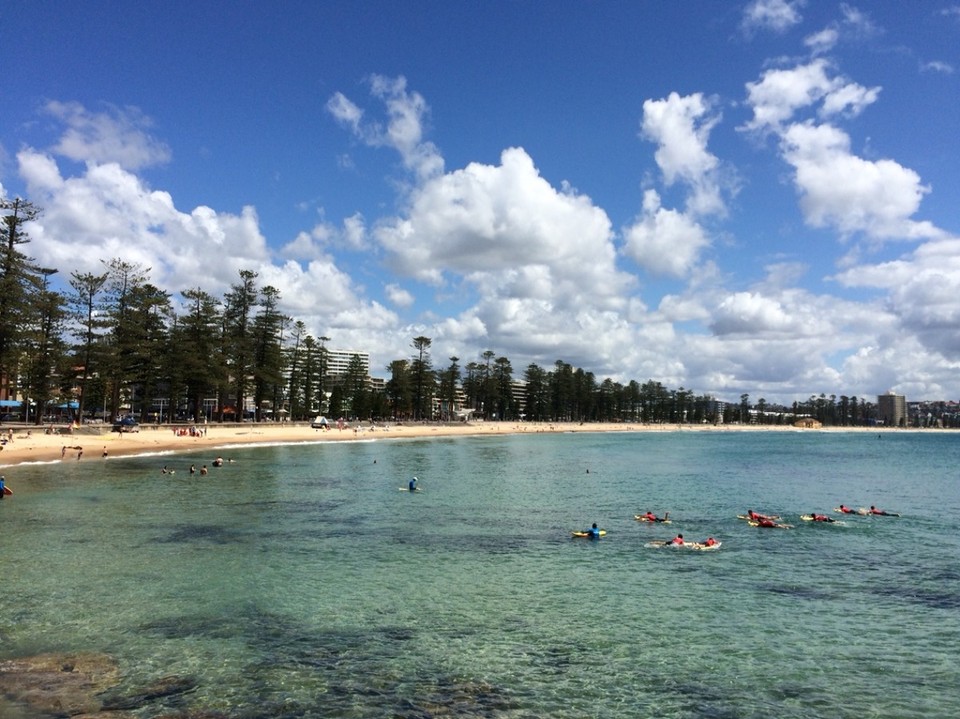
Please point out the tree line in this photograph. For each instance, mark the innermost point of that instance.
(115, 343)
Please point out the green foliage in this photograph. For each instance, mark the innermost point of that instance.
(114, 341)
(20, 283)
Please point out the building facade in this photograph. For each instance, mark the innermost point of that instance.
(338, 361)
(892, 409)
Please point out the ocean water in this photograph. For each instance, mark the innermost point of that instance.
(297, 581)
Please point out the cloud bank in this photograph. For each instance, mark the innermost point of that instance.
(496, 256)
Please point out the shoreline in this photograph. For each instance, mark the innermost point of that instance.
(32, 445)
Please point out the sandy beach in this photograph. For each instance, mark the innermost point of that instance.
(37, 445)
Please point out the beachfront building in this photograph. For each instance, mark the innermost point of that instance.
(338, 362)
(446, 411)
(892, 409)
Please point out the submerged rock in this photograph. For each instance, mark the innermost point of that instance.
(163, 688)
(60, 684)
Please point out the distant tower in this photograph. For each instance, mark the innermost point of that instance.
(892, 409)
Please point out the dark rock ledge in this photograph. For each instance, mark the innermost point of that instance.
(83, 686)
(60, 685)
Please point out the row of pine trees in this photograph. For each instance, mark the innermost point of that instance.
(114, 343)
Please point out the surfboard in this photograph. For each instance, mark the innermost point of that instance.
(700, 546)
(407, 489)
(697, 546)
(862, 511)
(603, 533)
(7, 490)
(775, 526)
(809, 518)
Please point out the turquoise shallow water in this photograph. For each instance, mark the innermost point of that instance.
(297, 581)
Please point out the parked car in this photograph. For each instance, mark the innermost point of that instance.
(127, 424)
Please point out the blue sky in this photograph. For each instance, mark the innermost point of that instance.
(756, 197)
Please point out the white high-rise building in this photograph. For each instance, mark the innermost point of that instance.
(338, 361)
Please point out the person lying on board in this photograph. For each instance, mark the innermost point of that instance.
(710, 541)
(678, 540)
(846, 510)
(767, 522)
(651, 517)
(821, 517)
(882, 513)
(756, 516)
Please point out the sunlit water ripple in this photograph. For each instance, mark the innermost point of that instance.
(297, 581)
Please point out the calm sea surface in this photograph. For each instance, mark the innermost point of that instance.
(297, 581)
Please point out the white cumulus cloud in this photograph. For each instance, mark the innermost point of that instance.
(117, 135)
(839, 189)
(774, 15)
(780, 92)
(680, 126)
(663, 241)
(403, 131)
(398, 296)
(493, 224)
